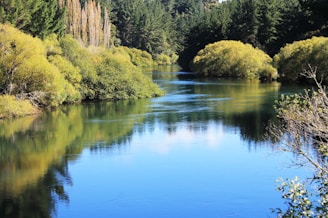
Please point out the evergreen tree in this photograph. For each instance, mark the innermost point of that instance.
(46, 20)
(245, 22)
(144, 25)
(18, 12)
(36, 17)
(269, 17)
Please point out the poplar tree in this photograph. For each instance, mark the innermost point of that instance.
(88, 22)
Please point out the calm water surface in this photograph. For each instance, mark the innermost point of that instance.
(196, 152)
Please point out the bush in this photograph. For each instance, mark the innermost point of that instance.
(138, 57)
(233, 59)
(294, 58)
(11, 107)
(119, 79)
(25, 70)
(163, 59)
(84, 61)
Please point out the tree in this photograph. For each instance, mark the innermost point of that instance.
(269, 18)
(230, 58)
(18, 12)
(25, 71)
(294, 57)
(304, 131)
(145, 25)
(46, 20)
(36, 17)
(88, 21)
(209, 27)
(245, 24)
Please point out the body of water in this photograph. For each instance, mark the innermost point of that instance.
(199, 151)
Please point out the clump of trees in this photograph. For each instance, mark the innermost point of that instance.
(294, 57)
(170, 28)
(304, 131)
(57, 71)
(267, 25)
(233, 59)
(26, 71)
(36, 17)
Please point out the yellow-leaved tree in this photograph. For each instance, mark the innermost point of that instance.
(230, 58)
(296, 57)
(25, 71)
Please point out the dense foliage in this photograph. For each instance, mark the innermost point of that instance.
(36, 17)
(294, 58)
(25, 70)
(268, 25)
(167, 28)
(233, 59)
(52, 72)
(12, 107)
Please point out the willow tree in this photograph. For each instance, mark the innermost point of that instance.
(25, 71)
(228, 58)
(295, 57)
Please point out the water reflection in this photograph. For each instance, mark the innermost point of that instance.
(35, 151)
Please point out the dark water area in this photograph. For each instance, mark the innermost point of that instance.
(199, 151)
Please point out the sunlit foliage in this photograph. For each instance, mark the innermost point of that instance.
(119, 79)
(25, 70)
(303, 131)
(138, 57)
(53, 72)
(294, 58)
(12, 107)
(233, 59)
(112, 74)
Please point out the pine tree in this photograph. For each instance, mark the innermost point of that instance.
(46, 20)
(18, 12)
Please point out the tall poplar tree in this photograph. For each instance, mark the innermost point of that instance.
(88, 21)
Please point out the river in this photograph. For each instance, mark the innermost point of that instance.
(199, 151)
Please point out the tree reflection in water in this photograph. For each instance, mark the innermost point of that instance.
(35, 151)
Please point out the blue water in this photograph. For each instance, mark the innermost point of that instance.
(199, 151)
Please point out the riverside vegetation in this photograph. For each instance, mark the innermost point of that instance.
(65, 51)
(47, 73)
(72, 49)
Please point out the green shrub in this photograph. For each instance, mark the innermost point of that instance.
(233, 59)
(119, 79)
(163, 59)
(138, 57)
(11, 107)
(26, 71)
(296, 57)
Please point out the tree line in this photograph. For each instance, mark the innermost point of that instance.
(265, 24)
(76, 43)
(174, 28)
